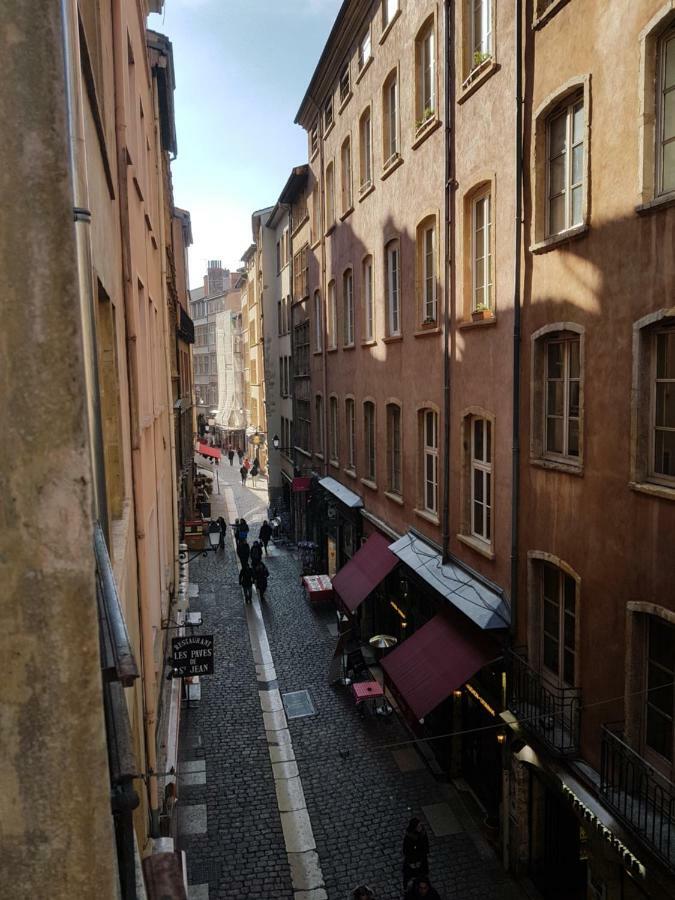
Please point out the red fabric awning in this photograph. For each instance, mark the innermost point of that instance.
(205, 450)
(301, 484)
(364, 571)
(436, 660)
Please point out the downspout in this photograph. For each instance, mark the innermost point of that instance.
(131, 328)
(449, 258)
(82, 215)
(324, 287)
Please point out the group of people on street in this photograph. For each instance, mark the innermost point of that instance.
(253, 569)
(416, 884)
(231, 452)
(251, 469)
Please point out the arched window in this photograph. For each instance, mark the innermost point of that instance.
(369, 440)
(346, 175)
(390, 128)
(394, 448)
(318, 324)
(368, 303)
(348, 307)
(330, 196)
(392, 257)
(428, 422)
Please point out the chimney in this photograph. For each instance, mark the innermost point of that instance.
(214, 278)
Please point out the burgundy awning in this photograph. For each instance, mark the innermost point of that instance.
(205, 450)
(436, 660)
(364, 571)
(301, 484)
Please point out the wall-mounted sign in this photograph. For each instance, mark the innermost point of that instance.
(192, 655)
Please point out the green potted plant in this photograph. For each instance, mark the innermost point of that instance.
(480, 312)
(424, 118)
(479, 58)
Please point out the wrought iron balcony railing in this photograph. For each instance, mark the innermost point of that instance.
(550, 713)
(642, 798)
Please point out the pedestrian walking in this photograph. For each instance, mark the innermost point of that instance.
(223, 528)
(246, 581)
(230, 455)
(243, 552)
(415, 851)
(421, 889)
(244, 475)
(243, 529)
(253, 474)
(265, 535)
(240, 455)
(261, 574)
(256, 553)
(247, 463)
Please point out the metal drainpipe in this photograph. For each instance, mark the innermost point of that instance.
(449, 259)
(131, 327)
(324, 285)
(78, 171)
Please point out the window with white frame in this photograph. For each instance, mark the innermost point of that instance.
(330, 195)
(562, 397)
(429, 428)
(666, 113)
(426, 271)
(425, 54)
(481, 31)
(331, 317)
(314, 139)
(390, 119)
(365, 49)
(393, 448)
(481, 254)
(328, 114)
(565, 167)
(348, 301)
(318, 424)
(368, 312)
(369, 439)
(389, 10)
(481, 478)
(346, 175)
(365, 151)
(350, 419)
(393, 277)
(558, 599)
(663, 406)
(316, 214)
(318, 325)
(345, 83)
(333, 429)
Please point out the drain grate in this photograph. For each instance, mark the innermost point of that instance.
(298, 704)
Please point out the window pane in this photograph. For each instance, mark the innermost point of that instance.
(662, 643)
(664, 453)
(578, 123)
(558, 129)
(665, 404)
(551, 618)
(554, 353)
(577, 199)
(478, 485)
(568, 667)
(555, 398)
(554, 435)
(574, 399)
(669, 167)
(478, 438)
(575, 366)
(665, 355)
(659, 733)
(557, 183)
(578, 164)
(557, 215)
(573, 438)
(670, 63)
(669, 115)
(550, 582)
(551, 654)
(488, 441)
(478, 517)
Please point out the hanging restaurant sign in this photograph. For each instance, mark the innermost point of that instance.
(192, 655)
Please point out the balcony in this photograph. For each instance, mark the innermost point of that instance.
(550, 713)
(642, 798)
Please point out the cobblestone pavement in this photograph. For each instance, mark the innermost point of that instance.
(359, 800)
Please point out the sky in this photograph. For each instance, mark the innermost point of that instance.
(242, 68)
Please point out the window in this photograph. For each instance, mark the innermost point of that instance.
(393, 448)
(659, 682)
(318, 325)
(280, 313)
(314, 139)
(345, 84)
(316, 214)
(558, 592)
(429, 426)
(565, 167)
(212, 334)
(663, 406)
(392, 256)
(302, 424)
(301, 273)
(348, 300)
(350, 419)
(369, 439)
(390, 119)
(481, 31)
(301, 349)
(331, 318)
(333, 426)
(666, 114)
(425, 56)
(481, 254)
(278, 257)
(318, 424)
(562, 395)
(365, 50)
(365, 151)
(328, 115)
(481, 478)
(368, 314)
(330, 196)
(426, 271)
(346, 175)
(389, 10)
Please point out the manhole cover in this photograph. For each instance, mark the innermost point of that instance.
(298, 704)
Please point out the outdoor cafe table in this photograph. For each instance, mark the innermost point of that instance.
(366, 690)
(318, 587)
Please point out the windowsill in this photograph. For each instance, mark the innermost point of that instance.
(553, 242)
(424, 330)
(329, 129)
(393, 339)
(314, 155)
(317, 353)
(557, 466)
(477, 77)
(657, 203)
(335, 464)
(331, 349)
(305, 453)
(395, 498)
(364, 68)
(391, 165)
(428, 516)
(423, 132)
(330, 229)
(366, 190)
(370, 343)
(315, 244)
(653, 490)
(477, 544)
(343, 103)
(351, 346)
(350, 472)
(319, 456)
(390, 25)
(297, 228)
(478, 323)
(548, 13)
(347, 213)
(372, 485)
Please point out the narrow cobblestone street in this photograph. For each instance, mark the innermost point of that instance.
(359, 793)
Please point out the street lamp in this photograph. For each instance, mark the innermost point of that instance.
(213, 535)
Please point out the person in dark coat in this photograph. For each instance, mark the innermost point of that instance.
(246, 581)
(243, 552)
(421, 889)
(230, 455)
(415, 851)
(265, 535)
(223, 528)
(256, 554)
(243, 529)
(244, 474)
(261, 575)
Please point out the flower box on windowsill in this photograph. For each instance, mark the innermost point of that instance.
(478, 315)
(427, 125)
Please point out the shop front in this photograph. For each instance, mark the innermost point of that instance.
(337, 524)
